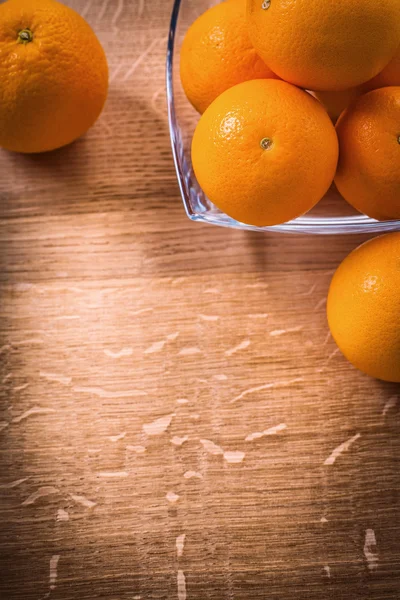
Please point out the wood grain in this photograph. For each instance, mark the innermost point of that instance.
(138, 351)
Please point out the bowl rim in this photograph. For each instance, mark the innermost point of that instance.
(355, 224)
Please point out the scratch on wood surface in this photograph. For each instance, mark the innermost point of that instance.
(86, 8)
(156, 347)
(266, 432)
(311, 290)
(234, 457)
(62, 379)
(24, 287)
(324, 520)
(117, 438)
(3, 425)
(102, 10)
(372, 558)
(242, 346)
(112, 474)
(181, 580)
(180, 544)
(266, 386)
(182, 401)
(158, 426)
(190, 351)
(259, 316)
(83, 501)
(333, 354)
(209, 318)
(121, 353)
(140, 7)
(141, 311)
(179, 441)
(101, 393)
(173, 336)
(220, 377)
(62, 515)
(5, 348)
(327, 570)
(279, 332)
(36, 410)
(7, 378)
(192, 475)
(172, 497)
(137, 449)
(143, 56)
(21, 388)
(118, 11)
(340, 449)
(211, 448)
(320, 304)
(114, 74)
(13, 484)
(391, 403)
(46, 490)
(53, 570)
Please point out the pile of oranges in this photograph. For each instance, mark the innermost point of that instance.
(265, 149)
(270, 78)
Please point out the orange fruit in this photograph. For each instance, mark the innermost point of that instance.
(265, 152)
(388, 77)
(336, 102)
(323, 45)
(53, 75)
(217, 54)
(364, 306)
(368, 174)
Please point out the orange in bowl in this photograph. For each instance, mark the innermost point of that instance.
(322, 45)
(368, 174)
(217, 54)
(265, 152)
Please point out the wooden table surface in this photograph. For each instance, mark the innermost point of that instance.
(175, 420)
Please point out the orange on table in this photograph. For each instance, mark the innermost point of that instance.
(368, 174)
(325, 46)
(265, 152)
(364, 307)
(53, 75)
(217, 54)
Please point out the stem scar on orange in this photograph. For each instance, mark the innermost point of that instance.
(53, 75)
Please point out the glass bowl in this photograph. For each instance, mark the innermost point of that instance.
(331, 216)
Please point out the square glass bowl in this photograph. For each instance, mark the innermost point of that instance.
(331, 216)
